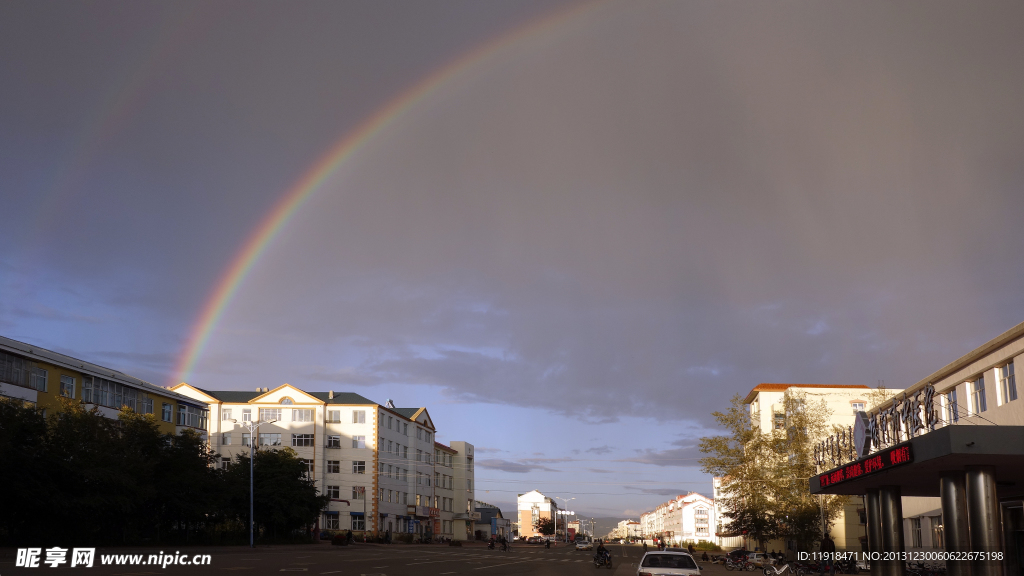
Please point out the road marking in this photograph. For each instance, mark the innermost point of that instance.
(496, 565)
(293, 569)
(238, 568)
(331, 572)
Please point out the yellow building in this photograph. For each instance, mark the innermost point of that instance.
(40, 377)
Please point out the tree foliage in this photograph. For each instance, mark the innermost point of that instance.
(765, 474)
(545, 526)
(122, 481)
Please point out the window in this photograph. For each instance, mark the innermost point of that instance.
(331, 521)
(270, 439)
(389, 446)
(287, 401)
(165, 412)
(87, 390)
(419, 478)
(780, 421)
(1007, 383)
(225, 439)
(405, 428)
(302, 439)
(390, 419)
(333, 492)
(858, 406)
(334, 441)
(359, 466)
(405, 452)
(334, 416)
(389, 495)
(952, 409)
(358, 523)
(268, 414)
(915, 532)
(978, 395)
(67, 386)
(427, 436)
(359, 492)
(419, 433)
(309, 466)
(359, 416)
(246, 414)
(359, 441)
(405, 497)
(147, 404)
(192, 416)
(334, 466)
(388, 474)
(419, 455)
(224, 463)
(13, 369)
(246, 439)
(38, 381)
(225, 414)
(302, 415)
(418, 503)
(380, 494)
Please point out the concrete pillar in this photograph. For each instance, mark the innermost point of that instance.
(874, 527)
(983, 518)
(891, 504)
(955, 531)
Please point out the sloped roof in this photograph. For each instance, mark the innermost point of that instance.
(767, 387)
(240, 397)
(445, 448)
(407, 412)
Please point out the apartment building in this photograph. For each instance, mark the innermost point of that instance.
(379, 464)
(686, 518)
(767, 410)
(41, 377)
(532, 507)
(464, 515)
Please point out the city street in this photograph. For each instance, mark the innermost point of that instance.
(395, 560)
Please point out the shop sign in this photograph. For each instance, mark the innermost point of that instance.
(903, 419)
(896, 456)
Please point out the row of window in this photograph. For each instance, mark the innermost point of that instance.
(443, 458)
(297, 415)
(358, 492)
(979, 399)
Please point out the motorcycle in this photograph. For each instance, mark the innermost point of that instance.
(490, 545)
(603, 559)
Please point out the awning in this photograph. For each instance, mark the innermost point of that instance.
(355, 513)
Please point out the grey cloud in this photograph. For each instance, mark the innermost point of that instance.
(513, 467)
(685, 453)
(600, 449)
(657, 491)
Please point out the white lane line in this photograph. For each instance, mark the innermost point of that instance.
(331, 572)
(496, 565)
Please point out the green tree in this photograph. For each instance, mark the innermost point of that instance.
(545, 526)
(285, 499)
(765, 474)
(26, 473)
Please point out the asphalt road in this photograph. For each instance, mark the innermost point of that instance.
(394, 560)
(359, 560)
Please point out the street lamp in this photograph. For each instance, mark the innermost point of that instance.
(253, 428)
(566, 500)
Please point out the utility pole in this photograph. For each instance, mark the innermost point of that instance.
(253, 427)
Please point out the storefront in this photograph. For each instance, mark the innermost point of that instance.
(957, 435)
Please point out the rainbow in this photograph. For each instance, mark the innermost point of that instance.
(283, 211)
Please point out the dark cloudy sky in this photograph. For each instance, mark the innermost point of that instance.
(571, 252)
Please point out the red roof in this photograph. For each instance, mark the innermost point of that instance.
(446, 448)
(766, 387)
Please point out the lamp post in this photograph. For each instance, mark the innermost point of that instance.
(566, 501)
(253, 428)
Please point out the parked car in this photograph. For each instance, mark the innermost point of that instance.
(667, 562)
(756, 558)
(535, 540)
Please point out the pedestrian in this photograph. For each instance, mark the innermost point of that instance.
(690, 549)
(645, 546)
(704, 556)
(387, 536)
(828, 552)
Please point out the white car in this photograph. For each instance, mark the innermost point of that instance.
(756, 558)
(667, 563)
(584, 545)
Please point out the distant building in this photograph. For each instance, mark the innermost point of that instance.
(532, 507)
(686, 518)
(379, 464)
(491, 522)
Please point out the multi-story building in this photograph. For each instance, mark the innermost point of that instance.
(444, 489)
(376, 462)
(685, 518)
(532, 507)
(843, 401)
(41, 377)
(491, 522)
(627, 529)
(464, 514)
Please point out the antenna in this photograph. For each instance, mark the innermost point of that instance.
(390, 403)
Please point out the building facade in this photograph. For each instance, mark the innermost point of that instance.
(685, 518)
(379, 464)
(42, 378)
(533, 507)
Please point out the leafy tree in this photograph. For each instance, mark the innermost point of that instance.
(26, 473)
(285, 498)
(765, 475)
(545, 526)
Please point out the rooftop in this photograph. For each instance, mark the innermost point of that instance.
(768, 387)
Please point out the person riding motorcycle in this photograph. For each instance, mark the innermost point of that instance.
(602, 552)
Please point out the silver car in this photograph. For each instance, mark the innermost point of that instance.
(667, 563)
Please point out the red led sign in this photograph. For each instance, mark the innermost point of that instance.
(876, 462)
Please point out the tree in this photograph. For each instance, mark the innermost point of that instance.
(545, 526)
(765, 475)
